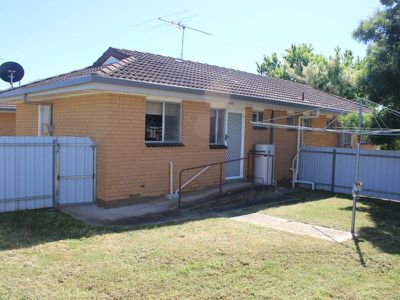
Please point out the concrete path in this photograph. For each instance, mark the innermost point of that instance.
(320, 232)
(154, 209)
(94, 215)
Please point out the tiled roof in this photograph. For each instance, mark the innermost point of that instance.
(168, 71)
(7, 107)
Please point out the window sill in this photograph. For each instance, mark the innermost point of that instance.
(214, 146)
(260, 127)
(163, 144)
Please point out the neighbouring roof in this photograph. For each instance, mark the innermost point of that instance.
(135, 66)
(7, 107)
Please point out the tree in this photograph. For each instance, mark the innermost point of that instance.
(380, 77)
(337, 74)
(350, 120)
(271, 66)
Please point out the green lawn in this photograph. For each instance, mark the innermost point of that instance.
(328, 210)
(45, 254)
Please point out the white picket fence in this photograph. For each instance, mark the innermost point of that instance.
(333, 169)
(39, 172)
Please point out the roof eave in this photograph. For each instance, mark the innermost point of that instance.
(13, 94)
(50, 86)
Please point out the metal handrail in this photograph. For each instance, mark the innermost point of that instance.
(205, 167)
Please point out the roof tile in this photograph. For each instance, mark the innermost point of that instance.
(7, 107)
(164, 70)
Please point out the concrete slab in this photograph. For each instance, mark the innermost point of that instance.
(320, 232)
(96, 215)
(229, 187)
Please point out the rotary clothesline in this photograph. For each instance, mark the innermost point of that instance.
(367, 131)
(382, 131)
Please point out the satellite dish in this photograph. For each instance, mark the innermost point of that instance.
(11, 72)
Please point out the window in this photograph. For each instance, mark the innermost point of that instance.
(257, 116)
(290, 120)
(162, 122)
(217, 126)
(44, 120)
(344, 140)
(330, 123)
(306, 122)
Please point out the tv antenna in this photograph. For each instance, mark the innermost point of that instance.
(182, 26)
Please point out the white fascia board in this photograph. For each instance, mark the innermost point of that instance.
(18, 94)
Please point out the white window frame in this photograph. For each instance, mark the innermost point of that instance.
(310, 122)
(258, 116)
(218, 111)
(163, 122)
(40, 119)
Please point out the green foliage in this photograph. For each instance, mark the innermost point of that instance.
(380, 77)
(337, 74)
(350, 120)
(271, 66)
(384, 118)
(377, 77)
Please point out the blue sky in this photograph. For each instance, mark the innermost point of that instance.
(52, 37)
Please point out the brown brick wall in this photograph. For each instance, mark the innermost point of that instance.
(27, 119)
(87, 116)
(319, 139)
(286, 143)
(125, 166)
(285, 146)
(139, 170)
(7, 124)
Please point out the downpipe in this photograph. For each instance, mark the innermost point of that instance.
(171, 194)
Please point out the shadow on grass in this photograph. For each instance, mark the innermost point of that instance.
(24, 229)
(29, 228)
(385, 235)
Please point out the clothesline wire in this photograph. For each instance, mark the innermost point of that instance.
(366, 104)
(291, 115)
(364, 131)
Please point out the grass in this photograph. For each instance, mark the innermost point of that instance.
(377, 221)
(46, 254)
(327, 210)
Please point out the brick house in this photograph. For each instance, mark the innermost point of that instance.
(7, 119)
(144, 110)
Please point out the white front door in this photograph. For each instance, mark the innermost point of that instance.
(234, 142)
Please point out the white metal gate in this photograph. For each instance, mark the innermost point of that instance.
(39, 172)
